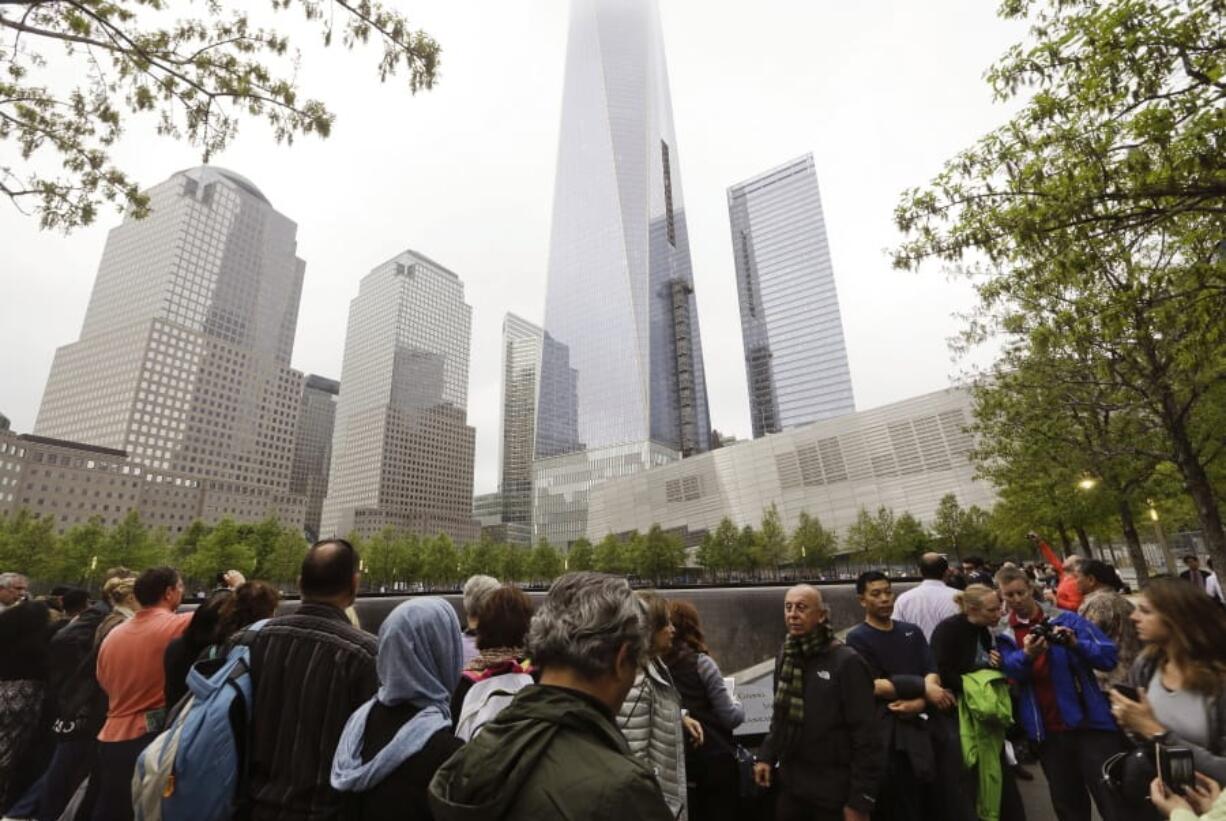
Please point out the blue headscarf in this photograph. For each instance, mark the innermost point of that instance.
(419, 662)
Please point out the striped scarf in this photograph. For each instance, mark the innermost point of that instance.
(790, 695)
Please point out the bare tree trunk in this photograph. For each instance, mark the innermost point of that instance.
(1064, 540)
(1084, 540)
(1135, 552)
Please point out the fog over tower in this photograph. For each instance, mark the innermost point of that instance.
(622, 353)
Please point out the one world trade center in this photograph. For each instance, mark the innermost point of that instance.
(622, 386)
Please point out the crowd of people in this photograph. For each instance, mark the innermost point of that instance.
(606, 703)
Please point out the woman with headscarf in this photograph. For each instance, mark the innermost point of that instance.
(392, 744)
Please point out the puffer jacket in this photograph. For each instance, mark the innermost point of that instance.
(650, 719)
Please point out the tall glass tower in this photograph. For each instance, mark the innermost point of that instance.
(622, 354)
(795, 356)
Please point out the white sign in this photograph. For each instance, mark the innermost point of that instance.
(755, 687)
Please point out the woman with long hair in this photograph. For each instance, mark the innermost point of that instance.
(651, 718)
(501, 667)
(1180, 676)
(711, 770)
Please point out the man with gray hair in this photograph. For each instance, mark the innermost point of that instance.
(13, 587)
(555, 751)
(476, 590)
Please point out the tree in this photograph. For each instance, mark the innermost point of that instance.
(717, 552)
(262, 538)
(27, 543)
(871, 536)
(130, 544)
(812, 545)
(947, 524)
(284, 563)
(610, 556)
(546, 562)
(382, 558)
(744, 554)
(189, 540)
(515, 560)
(483, 557)
(910, 540)
(658, 555)
(1047, 412)
(581, 556)
(198, 76)
(74, 555)
(440, 561)
(771, 546)
(1093, 219)
(223, 549)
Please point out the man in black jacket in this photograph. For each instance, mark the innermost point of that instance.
(311, 670)
(824, 742)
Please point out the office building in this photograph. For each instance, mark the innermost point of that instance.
(74, 483)
(622, 383)
(402, 450)
(313, 447)
(521, 363)
(795, 356)
(905, 456)
(183, 359)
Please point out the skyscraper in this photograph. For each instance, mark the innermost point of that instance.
(402, 451)
(313, 446)
(795, 356)
(521, 363)
(622, 353)
(183, 359)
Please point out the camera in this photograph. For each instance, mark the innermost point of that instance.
(1052, 635)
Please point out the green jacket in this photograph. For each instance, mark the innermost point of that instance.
(984, 714)
(552, 753)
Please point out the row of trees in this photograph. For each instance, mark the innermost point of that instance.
(30, 545)
(393, 560)
(1093, 224)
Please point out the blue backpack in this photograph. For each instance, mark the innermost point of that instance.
(194, 768)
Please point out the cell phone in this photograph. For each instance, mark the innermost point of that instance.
(1127, 691)
(1176, 767)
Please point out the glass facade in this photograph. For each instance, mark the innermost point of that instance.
(521, 361)
(313, 447)
(795, 356)
(402, 450)
(183, 359)
(622, 363)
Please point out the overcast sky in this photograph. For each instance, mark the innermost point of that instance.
(881, 91)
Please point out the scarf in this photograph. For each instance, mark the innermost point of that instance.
(495, 660)
(790, 695)
(419, 660)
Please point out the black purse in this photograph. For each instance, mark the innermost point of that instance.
(1130, 773)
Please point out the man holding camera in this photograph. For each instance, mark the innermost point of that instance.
(1060, 705)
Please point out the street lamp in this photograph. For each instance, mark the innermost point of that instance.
(1088, 483)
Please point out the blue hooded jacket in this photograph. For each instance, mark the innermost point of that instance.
(1083, 706)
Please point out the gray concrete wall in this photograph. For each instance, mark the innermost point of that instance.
(743, 625)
